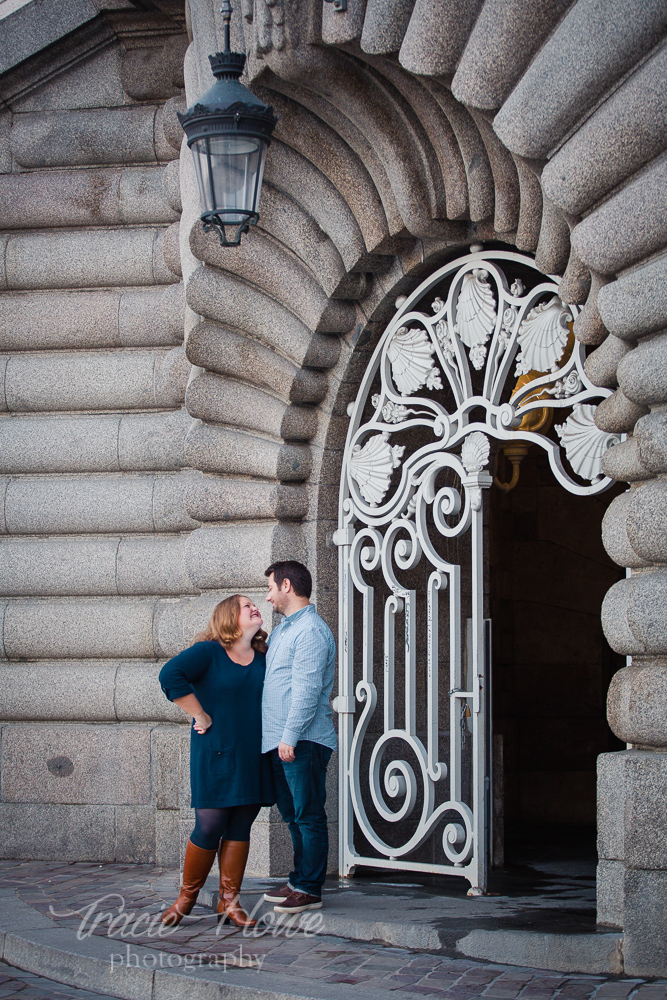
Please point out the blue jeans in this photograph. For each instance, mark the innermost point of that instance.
(300, 795)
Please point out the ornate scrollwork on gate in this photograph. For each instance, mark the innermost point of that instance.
(482, 350)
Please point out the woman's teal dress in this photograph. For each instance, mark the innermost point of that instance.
(227, 767)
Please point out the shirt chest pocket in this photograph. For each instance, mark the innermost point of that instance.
(221, 760)
(284, 651)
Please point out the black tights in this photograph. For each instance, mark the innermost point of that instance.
(231, 823)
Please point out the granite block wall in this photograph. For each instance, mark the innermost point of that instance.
(92, 427)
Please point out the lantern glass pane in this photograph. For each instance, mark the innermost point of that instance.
(229, 174)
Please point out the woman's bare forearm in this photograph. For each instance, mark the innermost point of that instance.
(190, 704)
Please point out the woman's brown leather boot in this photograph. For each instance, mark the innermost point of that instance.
(233, 858)
(196, 866)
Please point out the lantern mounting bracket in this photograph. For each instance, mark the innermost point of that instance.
(214, 222)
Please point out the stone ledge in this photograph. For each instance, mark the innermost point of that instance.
(587, 953)
(35, 26)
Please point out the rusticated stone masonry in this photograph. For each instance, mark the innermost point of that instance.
(95, 553)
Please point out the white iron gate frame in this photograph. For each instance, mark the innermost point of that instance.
(487, 324)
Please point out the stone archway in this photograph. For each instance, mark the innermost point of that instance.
(414, 598)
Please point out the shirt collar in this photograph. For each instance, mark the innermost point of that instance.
(290, 619)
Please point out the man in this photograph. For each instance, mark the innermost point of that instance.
(298, 730)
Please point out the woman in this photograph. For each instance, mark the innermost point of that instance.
(219, 681)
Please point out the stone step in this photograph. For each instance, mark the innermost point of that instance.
(398, 916)
(131, 971)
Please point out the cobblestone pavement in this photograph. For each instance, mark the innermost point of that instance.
(120, 901)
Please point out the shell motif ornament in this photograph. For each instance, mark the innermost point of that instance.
(543, 335)
(584, 443)
(372, 464)
(475, 309)
(412, 366)
(475, 452)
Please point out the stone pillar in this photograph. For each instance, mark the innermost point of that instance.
(632, 785)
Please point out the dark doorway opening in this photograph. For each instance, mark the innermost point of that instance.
(552, 666)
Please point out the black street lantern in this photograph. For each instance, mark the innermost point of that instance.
(228, 131)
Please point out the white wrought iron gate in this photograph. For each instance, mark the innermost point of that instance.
(415, 728)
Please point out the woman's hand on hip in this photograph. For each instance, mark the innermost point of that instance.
(202, 722)
(190, 704)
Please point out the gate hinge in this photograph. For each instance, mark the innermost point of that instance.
(343, 536)
(344, 705)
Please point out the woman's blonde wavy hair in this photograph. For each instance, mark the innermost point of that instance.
(223, 626)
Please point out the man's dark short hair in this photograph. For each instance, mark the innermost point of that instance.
(295, 572)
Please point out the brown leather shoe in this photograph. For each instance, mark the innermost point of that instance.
(297, 902)
(278, 894)
(196, 866)
(233, 858)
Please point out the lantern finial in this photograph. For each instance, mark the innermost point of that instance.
(226, 10)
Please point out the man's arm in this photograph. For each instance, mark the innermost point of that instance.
(311, 655)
